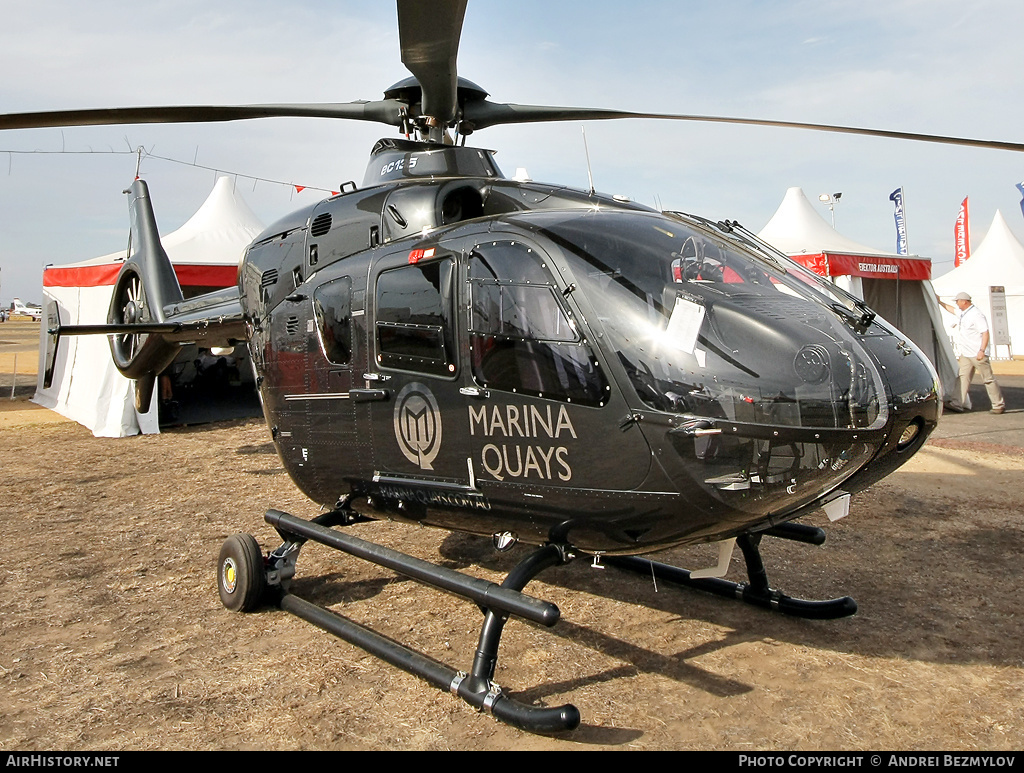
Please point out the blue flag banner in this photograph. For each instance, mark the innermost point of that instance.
(1020, 187)
(896, 197)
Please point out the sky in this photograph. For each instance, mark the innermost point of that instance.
(933, 66)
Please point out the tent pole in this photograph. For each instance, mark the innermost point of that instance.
(899, 301)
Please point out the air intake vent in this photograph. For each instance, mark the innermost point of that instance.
(292, 325)
(321, 224)
(268, 278)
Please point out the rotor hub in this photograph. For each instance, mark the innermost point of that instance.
(408, 90)
(434, 128)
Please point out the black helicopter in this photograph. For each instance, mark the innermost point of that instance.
(446, 346)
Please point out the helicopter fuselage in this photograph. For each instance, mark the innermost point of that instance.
(494, 356)
(449, 347)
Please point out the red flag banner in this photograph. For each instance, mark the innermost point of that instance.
(962, 236)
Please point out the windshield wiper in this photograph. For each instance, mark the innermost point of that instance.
(860, 322)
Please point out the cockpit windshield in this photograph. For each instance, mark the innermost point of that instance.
(707, 326)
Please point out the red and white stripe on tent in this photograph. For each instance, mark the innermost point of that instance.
(831, 264)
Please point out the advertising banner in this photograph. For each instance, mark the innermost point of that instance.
(896, 197)
(962, 236)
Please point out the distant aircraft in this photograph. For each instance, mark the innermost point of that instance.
(26, 310)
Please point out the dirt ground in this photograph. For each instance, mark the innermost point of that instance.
(112, 636)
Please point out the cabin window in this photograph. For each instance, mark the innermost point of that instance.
(522, 337)
(332, 305)
(414, 330)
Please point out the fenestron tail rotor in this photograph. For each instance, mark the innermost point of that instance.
(145, 287)
(132, 310)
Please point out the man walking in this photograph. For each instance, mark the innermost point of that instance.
(971, 344)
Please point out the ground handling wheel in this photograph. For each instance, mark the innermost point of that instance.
(241, 576)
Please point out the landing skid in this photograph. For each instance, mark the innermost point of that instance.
(497, 602)
(246, 580)
(757, 591)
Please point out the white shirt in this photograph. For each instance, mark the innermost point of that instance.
(970, 331)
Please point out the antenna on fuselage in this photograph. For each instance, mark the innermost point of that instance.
(586, 151)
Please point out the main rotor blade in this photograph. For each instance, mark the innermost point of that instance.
(482, 114)
(429, 31)
(386, 111)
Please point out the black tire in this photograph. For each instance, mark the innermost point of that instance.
(241, 576)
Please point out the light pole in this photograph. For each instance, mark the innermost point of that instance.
(831, 200)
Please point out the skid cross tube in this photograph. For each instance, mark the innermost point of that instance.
(486, 594)
(757, 591)
(497, 601)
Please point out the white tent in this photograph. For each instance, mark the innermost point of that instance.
(896, 286)
(797, 228)
(997, 262)
(86, 386)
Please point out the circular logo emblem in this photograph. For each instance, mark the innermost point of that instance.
(811, 364)
(418, 425)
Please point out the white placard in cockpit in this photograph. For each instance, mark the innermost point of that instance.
(684, 324)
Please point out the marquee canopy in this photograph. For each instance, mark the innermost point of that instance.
(86, 386)
(997, 262)
(800, 231)
(205, 251)
(909, 302)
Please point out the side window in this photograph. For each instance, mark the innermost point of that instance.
(524, 311)
(522, 337)
(332, 305)
(414, 318)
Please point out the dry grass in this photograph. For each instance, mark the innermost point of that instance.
(113, 636)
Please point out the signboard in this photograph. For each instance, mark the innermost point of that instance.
(867, 266)
(999, 324)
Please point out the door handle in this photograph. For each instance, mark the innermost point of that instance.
(475, 392)
(368, 395)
